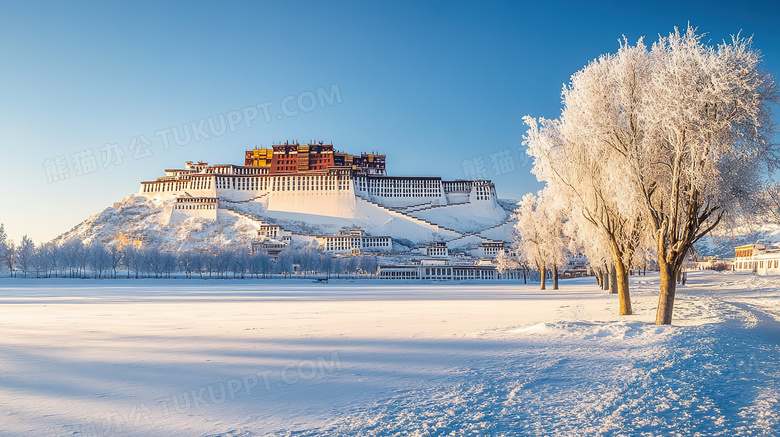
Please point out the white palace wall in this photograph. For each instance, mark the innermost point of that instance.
(330, 193)
(395, 192)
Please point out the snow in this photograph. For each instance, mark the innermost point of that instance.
(470, 217)
(127, 357)
(146, 219)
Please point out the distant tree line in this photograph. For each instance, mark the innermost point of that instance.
(73, 259)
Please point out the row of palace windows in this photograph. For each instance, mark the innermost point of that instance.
(376, 242)
(483, 193)
(474, 274)
(404, 274)
(456, 186)
(393, 192)
(202, 206)
(758, 264)
(398, 182)
(278, 183)
(158, 187)
(442, 272)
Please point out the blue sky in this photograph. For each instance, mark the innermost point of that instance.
(437, 86)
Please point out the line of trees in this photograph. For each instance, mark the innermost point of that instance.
(654, 148)
(73, 259)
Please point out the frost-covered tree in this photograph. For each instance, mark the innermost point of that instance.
(40, 261)
(98, 259)
(185, 262)
(338, 266)
(240, 264)
(350, 264)
(151, 261)
(708, 147)
(307, 258)
(504, 263)
(73, 256)
(9, 256)
(26, 254)
(580, 155)
(369, 264)
(114, 256)
(586, 238)
(3, 246)
(540, 227)
(168, 263)
(285, 261)
(681, 135)
(55, 258)
(265, 263)
(326, 264)
(130, 259)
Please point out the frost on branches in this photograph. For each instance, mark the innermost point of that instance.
(663, 143)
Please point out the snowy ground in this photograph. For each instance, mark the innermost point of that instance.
(253, 358)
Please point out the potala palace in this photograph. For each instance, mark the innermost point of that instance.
(313, 179)
(346, 204)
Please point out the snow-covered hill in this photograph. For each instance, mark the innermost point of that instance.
(140, 218)
(145, 218)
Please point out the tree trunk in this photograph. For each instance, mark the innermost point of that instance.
(621, 278)
(555, 277)
(543, 272)
(524, 278)
(666, 299)
(613, 284)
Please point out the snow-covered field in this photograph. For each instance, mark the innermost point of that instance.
(253, 358)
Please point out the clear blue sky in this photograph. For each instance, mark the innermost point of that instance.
(430, 84)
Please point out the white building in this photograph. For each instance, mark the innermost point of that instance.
(435, 249)
(759, 258)
(354, 242)
(272, 248)
(488, 248)
(443, 270)
(275, 232)
(577, 266)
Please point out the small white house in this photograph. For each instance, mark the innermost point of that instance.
(488, 249)
(435, 249)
